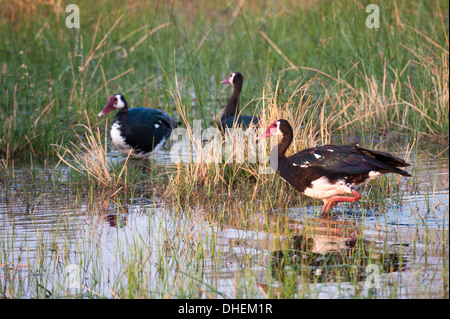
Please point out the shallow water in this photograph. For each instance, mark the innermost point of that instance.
(73, 246)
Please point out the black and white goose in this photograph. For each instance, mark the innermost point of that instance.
(328, 172)
(231, 112)
(139, 128)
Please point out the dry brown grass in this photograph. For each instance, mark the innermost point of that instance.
(311, 125)
(88, 156)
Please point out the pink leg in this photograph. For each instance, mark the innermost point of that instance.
(329, 202)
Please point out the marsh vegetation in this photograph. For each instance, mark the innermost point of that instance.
(79, 220)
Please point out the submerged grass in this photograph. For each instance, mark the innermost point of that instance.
(88, 156)
(143, 250)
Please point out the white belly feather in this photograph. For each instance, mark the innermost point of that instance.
(118, 140)
(322, 188)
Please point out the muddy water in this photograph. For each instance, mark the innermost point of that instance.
(73, 246)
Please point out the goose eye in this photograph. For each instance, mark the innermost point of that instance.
(115, 99)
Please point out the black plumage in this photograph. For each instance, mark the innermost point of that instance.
(330, 171)
(142, 129)
(231, 113)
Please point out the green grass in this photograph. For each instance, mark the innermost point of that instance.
(52, 75)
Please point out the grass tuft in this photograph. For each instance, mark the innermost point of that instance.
(88, 156)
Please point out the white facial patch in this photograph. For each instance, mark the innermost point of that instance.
(231, 78)
(276, 130)
(120, 103)
(156, 125)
